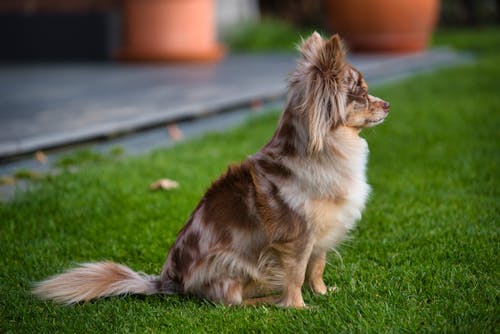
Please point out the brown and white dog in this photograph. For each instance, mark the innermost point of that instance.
(264, 227)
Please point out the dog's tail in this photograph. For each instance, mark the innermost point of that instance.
(95, 280)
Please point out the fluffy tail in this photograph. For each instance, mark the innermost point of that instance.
(96, 280)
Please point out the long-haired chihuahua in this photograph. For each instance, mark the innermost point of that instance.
(264, 227)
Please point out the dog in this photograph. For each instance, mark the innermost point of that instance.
(263, 229)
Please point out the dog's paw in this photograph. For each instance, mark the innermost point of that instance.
(301, 305)
(321, 288)
(293, 300)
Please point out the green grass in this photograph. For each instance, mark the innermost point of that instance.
(424, 258)
(266, 35)
(86, 156)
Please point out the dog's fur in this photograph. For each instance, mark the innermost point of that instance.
(264, 227)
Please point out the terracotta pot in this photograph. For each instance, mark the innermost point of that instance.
(384, 25)
(178, 30)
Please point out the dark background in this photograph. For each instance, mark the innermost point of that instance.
(89, 30)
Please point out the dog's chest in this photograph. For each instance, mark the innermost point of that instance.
(330, 193)
(331, 219)
(333, 216)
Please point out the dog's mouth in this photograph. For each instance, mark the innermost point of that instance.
(373, 122)
(370, 123)
(385, 108)
(377, 121)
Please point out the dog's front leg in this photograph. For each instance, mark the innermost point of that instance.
(294, 257)
(315, 269)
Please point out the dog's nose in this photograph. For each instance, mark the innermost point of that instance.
(386, 106)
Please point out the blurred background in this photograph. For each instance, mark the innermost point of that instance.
(75, 71)
(110, 30)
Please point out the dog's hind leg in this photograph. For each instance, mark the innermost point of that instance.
(227, 291)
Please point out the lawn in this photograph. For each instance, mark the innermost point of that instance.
(268, 35)
(422, 259)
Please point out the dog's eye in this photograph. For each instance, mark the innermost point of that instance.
(362, 92)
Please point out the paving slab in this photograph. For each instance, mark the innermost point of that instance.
(49, 105)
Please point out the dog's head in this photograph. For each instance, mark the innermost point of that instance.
(329, 92)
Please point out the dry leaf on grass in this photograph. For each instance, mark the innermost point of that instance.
(174, 132)
(7, 180)
(41, 157)
(256, 105)
(164, 184)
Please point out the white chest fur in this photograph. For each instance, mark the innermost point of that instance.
(332, 192)
(333, 218)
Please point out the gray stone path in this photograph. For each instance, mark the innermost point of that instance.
(43, 106)
(56, 105)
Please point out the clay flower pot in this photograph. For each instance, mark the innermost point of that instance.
(383, 25)
(169, 30)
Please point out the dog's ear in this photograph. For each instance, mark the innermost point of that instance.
(331, 59)
(325, 99)
(317, 83)
(310, 47)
